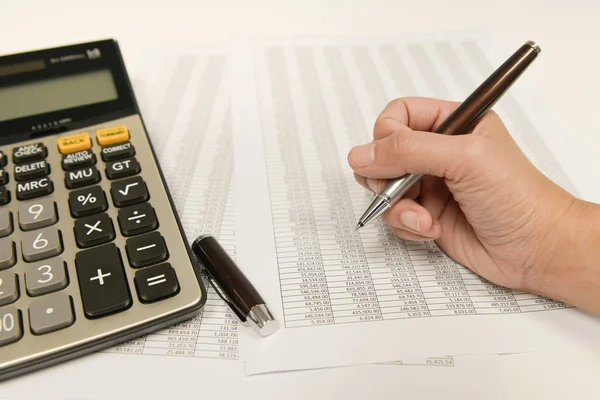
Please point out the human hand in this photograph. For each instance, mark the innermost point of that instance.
(481, 199)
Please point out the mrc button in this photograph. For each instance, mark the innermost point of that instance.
(79, 159)
(117, 151)
(29, 152)
(31, 170)
(34, 188)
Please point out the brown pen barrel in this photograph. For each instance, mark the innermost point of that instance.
(238, 290)
(466, 116)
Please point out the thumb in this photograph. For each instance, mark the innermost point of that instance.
(414, 152)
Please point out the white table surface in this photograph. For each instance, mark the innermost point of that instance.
(567, 75)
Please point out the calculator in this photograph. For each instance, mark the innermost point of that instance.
(92, 252)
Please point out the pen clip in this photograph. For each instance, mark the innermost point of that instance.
(223, 296)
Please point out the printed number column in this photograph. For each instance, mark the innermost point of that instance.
(304, 288)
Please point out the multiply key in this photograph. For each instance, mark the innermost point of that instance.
(29, 152)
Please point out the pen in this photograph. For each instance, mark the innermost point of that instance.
(461, 121)
(232, 285)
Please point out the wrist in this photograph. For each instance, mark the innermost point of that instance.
(571, 272)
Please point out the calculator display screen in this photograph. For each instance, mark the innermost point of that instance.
(56, 94)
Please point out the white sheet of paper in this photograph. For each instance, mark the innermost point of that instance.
(346, 298)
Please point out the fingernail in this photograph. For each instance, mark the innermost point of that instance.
(373, 184)
(411, 219)
(363, 155)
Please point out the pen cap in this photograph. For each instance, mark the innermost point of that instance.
(239, 292)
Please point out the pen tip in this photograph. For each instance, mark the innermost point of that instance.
(358, 226)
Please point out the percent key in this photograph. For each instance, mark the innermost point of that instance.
(87, 201)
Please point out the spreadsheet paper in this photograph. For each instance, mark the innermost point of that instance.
(345, 297)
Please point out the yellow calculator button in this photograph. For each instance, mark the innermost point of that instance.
(73, 143)
(113, 135)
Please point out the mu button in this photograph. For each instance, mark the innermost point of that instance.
(82, 177)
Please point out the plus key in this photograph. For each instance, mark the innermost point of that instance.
(102, 281)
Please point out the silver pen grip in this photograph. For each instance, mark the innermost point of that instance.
(398, 187)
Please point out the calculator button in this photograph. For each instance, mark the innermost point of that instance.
(51, 313)
(37, 214)
(123, 168)
(3, 177)
(9, 288)
(73, 143)
(34, 188)
(6, 223)
(137, 219)
(3, 159)
(4, 196)
(12, 329)
(7, 253)
(102, 281)
(93, 230)
(87, 201)
(156, 283)
(32, 170)
(145, 250)
(117, 151)
(45, 277)
(79, 159)
(29, 152)
(129, 191)
(41, 244)
(82, 177)
(112, 135)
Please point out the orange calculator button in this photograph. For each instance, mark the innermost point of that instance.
(112, 135)
(73, 143)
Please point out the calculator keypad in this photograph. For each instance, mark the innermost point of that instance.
(83, 243)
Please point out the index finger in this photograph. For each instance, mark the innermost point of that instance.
(415, 113)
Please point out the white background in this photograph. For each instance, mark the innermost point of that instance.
(567, 77)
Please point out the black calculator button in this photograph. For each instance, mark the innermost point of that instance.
(82, 177)
(3, 177)
(4, 196)
(9, 287)
(12, 328)
(129, 191)
(145, 250)
(87, 201)
(31, 170)
(79, 159)
(34, 188)
(51, 313)
(122, 168)
(102, 281)
(137, 219)
(3, 159)
(29, 152)
(93, 230)
(156, 283)
(117, 151)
